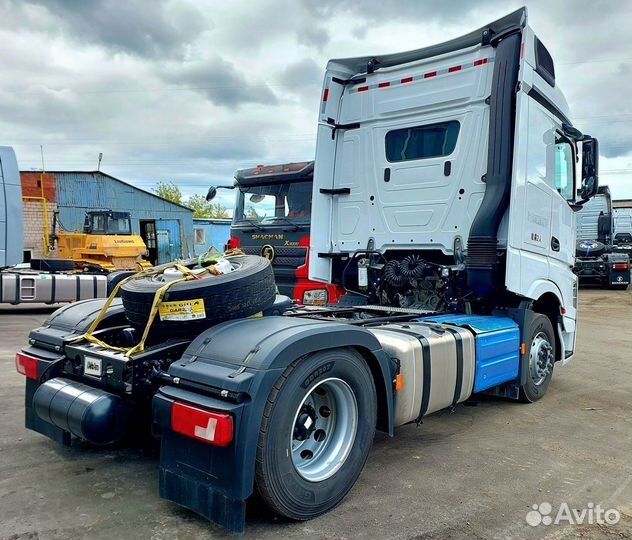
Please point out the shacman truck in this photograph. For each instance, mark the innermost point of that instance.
(272, 217)
(446, 182)
(598, 259)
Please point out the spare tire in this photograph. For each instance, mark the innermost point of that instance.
(589, 248)
(249, 289)
(52, 265)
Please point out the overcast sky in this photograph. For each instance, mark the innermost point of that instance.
(189, 91)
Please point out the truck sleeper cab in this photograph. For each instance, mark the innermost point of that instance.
(272, 219)
(450, 214)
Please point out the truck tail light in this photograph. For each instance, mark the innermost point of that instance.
(620, 266)
(27, 366)
(211, 427)
(233, 243)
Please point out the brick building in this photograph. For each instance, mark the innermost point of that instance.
(34, 210)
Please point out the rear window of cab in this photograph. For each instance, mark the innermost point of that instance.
(422, 142)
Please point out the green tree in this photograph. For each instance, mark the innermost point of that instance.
(206, 209)
(169, 191)
(251, 213)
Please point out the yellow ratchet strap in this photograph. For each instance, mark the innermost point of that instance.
(158, 297)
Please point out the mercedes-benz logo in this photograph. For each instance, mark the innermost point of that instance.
(267, 252)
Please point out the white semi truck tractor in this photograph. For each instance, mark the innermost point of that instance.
(445, 185)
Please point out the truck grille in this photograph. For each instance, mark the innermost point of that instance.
(283, 255)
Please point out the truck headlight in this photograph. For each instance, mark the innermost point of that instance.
(316, 297)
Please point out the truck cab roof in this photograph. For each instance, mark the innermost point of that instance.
(302, 171)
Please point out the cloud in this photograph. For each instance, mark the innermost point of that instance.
(313, 36)
(303, 74)
(221, 82)
(175, 90)
(379, 10)
(141, 27)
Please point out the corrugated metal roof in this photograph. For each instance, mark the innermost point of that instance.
(91, 176)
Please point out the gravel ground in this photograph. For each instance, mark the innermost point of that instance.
(472, 474)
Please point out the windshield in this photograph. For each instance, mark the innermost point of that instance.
(115, 223)
(275, 203)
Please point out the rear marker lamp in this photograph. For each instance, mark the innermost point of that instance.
(27, 366)
(210, 427)
(620, 266)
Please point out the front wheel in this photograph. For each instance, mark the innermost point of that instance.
(540, 341)
(317, 430)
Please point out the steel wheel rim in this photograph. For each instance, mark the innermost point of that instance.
(540, 358)
(323, 430)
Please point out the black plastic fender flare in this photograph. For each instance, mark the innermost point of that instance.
(245, 358)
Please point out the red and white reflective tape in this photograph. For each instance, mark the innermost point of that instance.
(417, 77)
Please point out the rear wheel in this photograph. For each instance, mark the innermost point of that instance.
(317, 430)
(540, 342)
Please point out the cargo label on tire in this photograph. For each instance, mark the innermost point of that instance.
(183, 310)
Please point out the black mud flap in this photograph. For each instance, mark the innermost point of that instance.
(210, 480)
(231, 368)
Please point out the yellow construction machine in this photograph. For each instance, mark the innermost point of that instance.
(106, 243)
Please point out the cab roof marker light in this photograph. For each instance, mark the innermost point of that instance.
(363, 89)
(480, 62)
(406, 80)
(384, 85)
(454, 68)
(430, 74)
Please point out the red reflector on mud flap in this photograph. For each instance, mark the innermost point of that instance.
(27, 366)
(620, 266)
(211, 427)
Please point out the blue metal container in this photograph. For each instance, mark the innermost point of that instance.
(497, 347)
(209, 233)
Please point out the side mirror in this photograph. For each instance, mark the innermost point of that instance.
(590, 168)
(210, 195)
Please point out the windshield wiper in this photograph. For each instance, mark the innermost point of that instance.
(253, 223)
(288, 220)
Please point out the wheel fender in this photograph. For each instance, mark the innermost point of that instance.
(541, 286)
(246, 357)
(536, 291)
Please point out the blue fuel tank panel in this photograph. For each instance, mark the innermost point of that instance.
(497, 347)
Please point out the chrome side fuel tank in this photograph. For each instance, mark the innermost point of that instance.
(437, 365)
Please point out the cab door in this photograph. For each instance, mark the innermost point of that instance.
(529, 227)
(562, 244)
